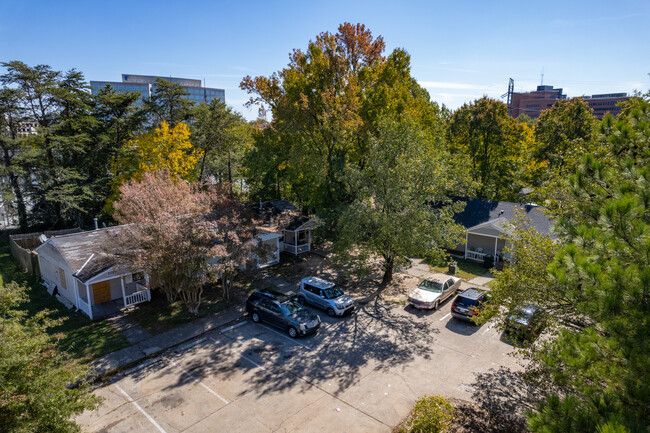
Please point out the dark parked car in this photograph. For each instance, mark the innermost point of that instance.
(525, 323)
(282, 311)
(468, 303)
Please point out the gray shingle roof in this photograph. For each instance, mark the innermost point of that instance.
(479, 211)
(82, 251)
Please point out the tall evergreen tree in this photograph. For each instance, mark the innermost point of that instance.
(168, 103)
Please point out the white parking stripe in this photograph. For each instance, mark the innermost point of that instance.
(128, 397)
(245, 357)
(199, 382)
(445, 316)
(230, 328)
(289, 338)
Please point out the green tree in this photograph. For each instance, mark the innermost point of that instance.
(596, 366)
(496, 144)
(392, 216)
(564, 133)
(168, 103)
(56, 159)
(12, 115)
(325, 106)
(218, 132)
(41, 389)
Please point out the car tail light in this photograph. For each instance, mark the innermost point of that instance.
(453, 305)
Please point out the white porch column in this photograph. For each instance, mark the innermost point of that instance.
(308, 240)
(90, 305)
(76, 292)
(123, 291)
(496, 240)
(466, 241)
(295, 243)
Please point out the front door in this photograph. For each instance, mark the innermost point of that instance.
(102, 292)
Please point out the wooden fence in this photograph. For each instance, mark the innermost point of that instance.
(23, 245)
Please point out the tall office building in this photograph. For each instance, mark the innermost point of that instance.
(146, 85)
(533, 103)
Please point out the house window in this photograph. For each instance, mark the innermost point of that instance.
(62, 278)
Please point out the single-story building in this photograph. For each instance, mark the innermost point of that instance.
(487, 227)
(280, 216)
(74, 267)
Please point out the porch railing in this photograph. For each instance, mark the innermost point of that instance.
(295, 249)
(141, 295)
(85, 308)
(473, 255)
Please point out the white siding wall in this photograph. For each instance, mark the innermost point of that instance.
(50, 274)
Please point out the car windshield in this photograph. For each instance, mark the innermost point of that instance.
(466, 302)
(290, 307)
(332, 292)
(431, 286)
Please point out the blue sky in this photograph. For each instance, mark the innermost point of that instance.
(460, 50)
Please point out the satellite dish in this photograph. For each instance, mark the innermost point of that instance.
(42, 238)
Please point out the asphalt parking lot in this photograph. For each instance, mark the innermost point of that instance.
(360, 373)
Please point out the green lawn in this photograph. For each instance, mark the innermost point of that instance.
(465, 269)
(82, 338)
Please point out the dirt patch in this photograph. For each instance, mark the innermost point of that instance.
(292, 270)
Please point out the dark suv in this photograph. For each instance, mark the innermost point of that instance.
(467, 304)
(282, 311)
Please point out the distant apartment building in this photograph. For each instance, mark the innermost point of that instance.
(146, 85)
(533, 103)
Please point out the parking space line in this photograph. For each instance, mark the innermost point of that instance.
(288, 338)
(245, 357)
(199, 382)
(445, 316)
(230, 328)
(137, 406)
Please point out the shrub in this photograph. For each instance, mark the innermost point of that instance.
(431, 414)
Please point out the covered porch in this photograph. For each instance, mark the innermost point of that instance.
(108, 293)
(487, 239)
(296, 237)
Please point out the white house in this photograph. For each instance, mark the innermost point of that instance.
(280, 216)
(73, 266)
(487, 224)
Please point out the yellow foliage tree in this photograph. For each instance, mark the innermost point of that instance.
(164, 149)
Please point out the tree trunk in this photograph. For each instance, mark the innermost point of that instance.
(205, 154)
(229, 172)
(388, 270)
(20, 202)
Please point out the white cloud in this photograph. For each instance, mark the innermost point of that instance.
(448, 85)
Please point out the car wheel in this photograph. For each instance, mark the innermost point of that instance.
(331, 312)
(436, 305)
(292, 332)
(301, 300)
(256, 317)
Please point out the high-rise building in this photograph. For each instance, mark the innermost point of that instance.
(146, 85)
(533, 103)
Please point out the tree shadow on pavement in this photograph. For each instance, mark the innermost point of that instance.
(502, 398)
(375, 338)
